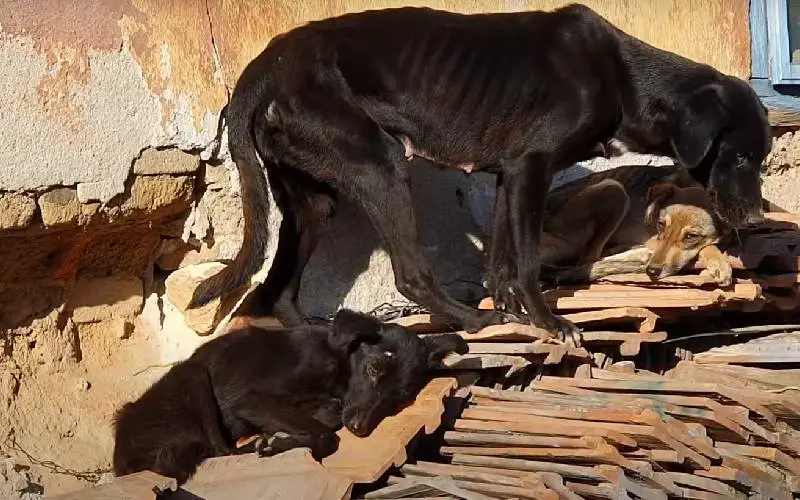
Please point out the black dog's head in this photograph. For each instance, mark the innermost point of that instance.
(387, 366)
(723, 135)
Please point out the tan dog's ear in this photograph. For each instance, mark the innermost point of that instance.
(657, 196)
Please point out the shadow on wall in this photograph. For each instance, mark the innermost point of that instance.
(454, 212)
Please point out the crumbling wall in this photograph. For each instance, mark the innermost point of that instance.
(112, 208)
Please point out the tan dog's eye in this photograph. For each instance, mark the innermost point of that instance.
(661, 225)
(688, 237)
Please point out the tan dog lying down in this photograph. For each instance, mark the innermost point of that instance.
(660, 218)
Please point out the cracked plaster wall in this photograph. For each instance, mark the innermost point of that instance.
(108, 208)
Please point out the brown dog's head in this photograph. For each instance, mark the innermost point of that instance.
(686, 224)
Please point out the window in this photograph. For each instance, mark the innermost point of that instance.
(775, 51)
(783, 39)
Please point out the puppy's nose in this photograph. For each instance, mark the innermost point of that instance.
(653, 272)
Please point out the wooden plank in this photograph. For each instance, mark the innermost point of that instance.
(292, 474)
(773, 455)
(364, 460)
(507, 332)
(777, 348)
(602, 454)
(703, 483)
(467, 489)
(630, 343)
(516, 439)
(680, 280)
(600, 490)
(515, 364)
(139, 486)
(533, 429)
(580, 472)
(736, 476)
(738, 396)
(643, 318)
(638, 432)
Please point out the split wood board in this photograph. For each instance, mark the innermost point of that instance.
(656, 386)
(473, 490)
(554, 352)
(629, 343)
(364, 460)
(680, 280)
(644, 319)
(139, 486)
(608, 295)
(432, 487)
(778, 348)
(293, 474)
(532, 484)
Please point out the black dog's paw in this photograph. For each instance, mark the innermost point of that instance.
(326, 444)
(564, 330)
(267, 445)
(329, 413)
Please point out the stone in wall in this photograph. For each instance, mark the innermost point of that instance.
(16, 211)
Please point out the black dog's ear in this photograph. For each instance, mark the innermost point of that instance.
(657, 196)
(350, 327)
(698, 125)
(438, 346)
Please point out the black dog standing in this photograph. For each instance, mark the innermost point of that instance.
(336, 106)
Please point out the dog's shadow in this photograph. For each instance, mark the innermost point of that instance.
(454, 213)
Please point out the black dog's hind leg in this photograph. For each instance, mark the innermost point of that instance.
(501, 270)
(527, 182)
(306, 207)
(354, 155)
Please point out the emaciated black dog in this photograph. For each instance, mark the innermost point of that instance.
(339, 105)
(294, 387)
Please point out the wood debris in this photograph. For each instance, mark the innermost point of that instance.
(617, 438)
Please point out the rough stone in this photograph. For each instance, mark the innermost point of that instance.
(16, 211)
(165, 161)
(785, 153)
(180, 286)
(62, 207)
(151, 193)
(19, 482)
(106, 298)
(174, 253)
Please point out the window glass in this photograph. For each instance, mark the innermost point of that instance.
(793, 9)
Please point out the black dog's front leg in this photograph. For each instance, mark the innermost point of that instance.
(283, 428)
(527, 182)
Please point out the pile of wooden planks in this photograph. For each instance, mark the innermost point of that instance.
(615, 436)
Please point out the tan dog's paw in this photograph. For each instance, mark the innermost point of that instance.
(720, 271)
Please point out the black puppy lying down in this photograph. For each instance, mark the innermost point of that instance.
(294, 387)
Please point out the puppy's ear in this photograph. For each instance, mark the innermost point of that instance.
(657, 197)
(439, 346)
(699, 124)
(350, 328)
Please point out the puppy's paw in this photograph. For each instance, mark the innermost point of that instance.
(324, 445)
(720, 271)
(267, 445)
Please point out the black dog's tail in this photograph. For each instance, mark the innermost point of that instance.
(254, 190)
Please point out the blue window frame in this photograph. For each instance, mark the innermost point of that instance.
(782, 41)
(775, 51)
